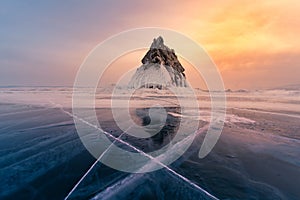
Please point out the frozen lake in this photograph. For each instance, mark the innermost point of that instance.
(256, 157)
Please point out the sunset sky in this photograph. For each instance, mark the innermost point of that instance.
(255, 44)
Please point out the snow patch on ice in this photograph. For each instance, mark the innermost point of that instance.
(206, 117)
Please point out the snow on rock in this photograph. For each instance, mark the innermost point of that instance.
(161, 68)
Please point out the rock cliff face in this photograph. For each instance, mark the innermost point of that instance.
(161, 68)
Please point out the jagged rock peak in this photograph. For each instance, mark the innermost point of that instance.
(157, 43)
(160, 69)
(161, 54)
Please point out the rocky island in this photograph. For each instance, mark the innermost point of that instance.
(160, 68)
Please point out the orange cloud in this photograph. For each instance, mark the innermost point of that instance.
(248, 38)
(254, 43)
